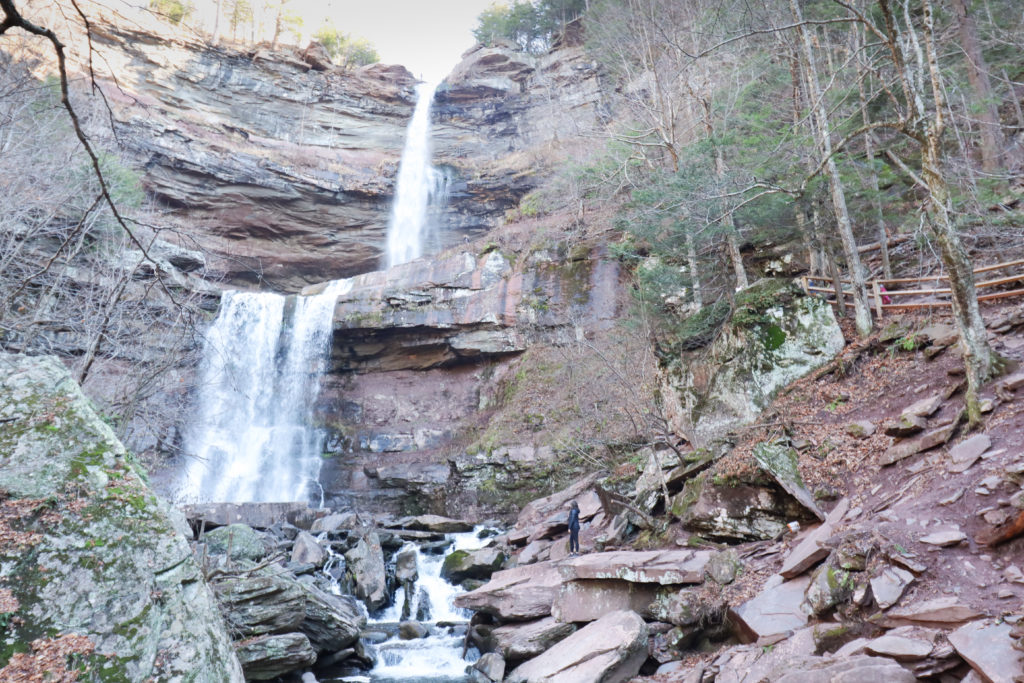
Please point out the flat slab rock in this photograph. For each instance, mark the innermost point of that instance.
(989, 650)
(663, 567)
(810, 550)
(936, 612)
(516, 594)
(900, 648)
(772, 611)
(590, 600)
(522, 640)
(889, 585)
(610, 650)
(944, 538)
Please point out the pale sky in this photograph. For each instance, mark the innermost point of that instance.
(427, 36)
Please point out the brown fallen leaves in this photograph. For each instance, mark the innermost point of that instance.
(48, 661)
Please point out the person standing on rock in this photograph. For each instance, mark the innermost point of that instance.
(574, 529)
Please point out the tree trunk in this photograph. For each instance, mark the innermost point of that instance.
(862, 310)
(979, 360)
(691, 256)
(977, 75)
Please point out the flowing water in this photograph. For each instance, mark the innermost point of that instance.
(252, 438)
(420, 187)
(438, 657)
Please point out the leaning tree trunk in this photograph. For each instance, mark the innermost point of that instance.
(861, 308)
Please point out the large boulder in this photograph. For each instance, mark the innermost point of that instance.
(517, 594)
(366, 562)
(580, 601)
(88, 548)
(519, 641)
(738, 361)
(257, 605)
(267, 657)
(472, 564)
(609, 650)
(331, 622)
(663, 567)
(237, 541)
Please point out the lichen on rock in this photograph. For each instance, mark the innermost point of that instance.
(95, 555)
(775, 335)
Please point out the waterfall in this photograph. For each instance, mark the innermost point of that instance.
(419, 186)
(252, 439)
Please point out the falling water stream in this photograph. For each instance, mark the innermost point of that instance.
(420, 186)
(252, 438)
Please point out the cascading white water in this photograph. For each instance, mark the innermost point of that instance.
(419, 186)
(251, 439)
(437, 657)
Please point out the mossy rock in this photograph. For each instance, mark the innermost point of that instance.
(96, 553)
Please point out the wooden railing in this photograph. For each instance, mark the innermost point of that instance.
(935, 296)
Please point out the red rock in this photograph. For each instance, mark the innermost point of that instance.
(937, 612)
(809, 551)
(579, 601)
(776, 610)
(611, 649)
(653, 566)
(988, 648)
(516, 594)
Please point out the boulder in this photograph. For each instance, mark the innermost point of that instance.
(331, 622)
(88, 548)
(889, 585)
(610, 650)
(860, 429)
(905, 425)
(688, 607)
(472, 564)
(491, 665)
(306, 550)
(412, 630)
(900, 648)
(944, 538)
(775, 335)
(366, 562)
(988, 648)
(267, 657)
(783, 464)
(830, 586)
(776, 609)
(333, 522)
(519, 641)
(967, 452)
(810, 550)
(735, 511)
(517, 594)
(652, 566)
(579, 601)
(444, 525)
(257, 605)
(406, 565)
(256, 515)
(237, 541)
(926, 407)
(924, 442)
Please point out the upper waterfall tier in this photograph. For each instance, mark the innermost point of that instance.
(420, 187)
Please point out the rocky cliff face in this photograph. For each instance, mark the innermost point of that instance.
(281, 167)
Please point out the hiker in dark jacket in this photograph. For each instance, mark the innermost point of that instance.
(574, 529)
